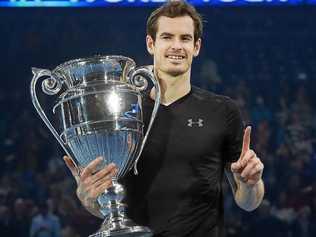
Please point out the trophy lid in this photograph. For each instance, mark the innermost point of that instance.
(83, 71)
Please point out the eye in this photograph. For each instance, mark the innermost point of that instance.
(187, 38)
(166, 37)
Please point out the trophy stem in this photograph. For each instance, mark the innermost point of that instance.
(116, 222)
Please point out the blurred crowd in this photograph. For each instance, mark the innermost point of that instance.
(266, 64)
(284, 138)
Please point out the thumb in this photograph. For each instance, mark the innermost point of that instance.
(72, 167)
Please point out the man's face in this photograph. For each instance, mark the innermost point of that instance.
(174, 47)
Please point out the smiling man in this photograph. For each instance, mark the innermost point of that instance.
(196, 138)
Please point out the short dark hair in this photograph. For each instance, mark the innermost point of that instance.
(175, 9)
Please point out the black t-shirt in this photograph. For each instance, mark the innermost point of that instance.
(178, 189)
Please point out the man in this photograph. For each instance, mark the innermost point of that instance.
(196, 135)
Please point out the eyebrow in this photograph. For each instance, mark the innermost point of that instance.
(187, 35)
(166, 34)
(169, 34)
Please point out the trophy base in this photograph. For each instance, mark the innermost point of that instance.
(125, 228)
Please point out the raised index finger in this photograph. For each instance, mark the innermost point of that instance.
(246, 141)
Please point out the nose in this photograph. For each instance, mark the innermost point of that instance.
(176, 44)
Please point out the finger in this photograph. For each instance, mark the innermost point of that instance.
(235, 167)
(72, 167)
(108, 170)
(246, 141)
(106, 178)
(90, 168)
(248, 169)
(257, 170)
(101, 189)
(89, 191)
(250, 154)
(70, 164)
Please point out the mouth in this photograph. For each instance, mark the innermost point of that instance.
(175, 57)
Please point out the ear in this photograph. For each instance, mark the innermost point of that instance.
(150, 44)
(197, 47)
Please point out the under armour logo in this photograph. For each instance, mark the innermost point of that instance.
(199, 123)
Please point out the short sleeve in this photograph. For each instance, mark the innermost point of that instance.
(234, 129)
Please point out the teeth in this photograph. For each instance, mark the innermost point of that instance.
(175, 57)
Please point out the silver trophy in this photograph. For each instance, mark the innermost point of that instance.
(99, 109)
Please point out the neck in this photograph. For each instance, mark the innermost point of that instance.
(172, 87)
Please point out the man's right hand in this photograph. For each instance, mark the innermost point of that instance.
(91, 182)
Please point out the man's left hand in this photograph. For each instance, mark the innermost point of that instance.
(248, 168)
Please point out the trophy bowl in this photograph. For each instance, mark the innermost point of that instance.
(99, 114)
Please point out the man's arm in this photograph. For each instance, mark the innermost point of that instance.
(249, 197)
(245, 177)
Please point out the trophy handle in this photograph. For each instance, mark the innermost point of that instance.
(138, 78)
(50, 86)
